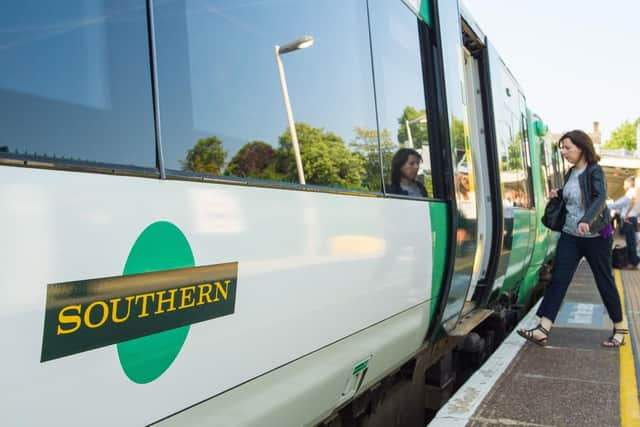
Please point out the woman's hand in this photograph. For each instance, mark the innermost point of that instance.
(553, 193)
(583, 227)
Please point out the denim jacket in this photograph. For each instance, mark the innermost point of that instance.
(594, 196)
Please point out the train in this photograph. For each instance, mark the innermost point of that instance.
(198, 222)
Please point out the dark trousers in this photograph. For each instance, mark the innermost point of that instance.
(569, 252)
(629, 231)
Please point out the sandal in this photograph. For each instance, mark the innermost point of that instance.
(528, 334)
(613, 342)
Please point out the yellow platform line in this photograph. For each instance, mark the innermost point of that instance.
(629, 407)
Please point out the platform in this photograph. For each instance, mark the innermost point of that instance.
(572, 381)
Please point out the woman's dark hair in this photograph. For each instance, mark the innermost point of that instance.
(399, 159)
(583, 141)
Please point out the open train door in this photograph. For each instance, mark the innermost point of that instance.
(467, 176)
(510, 148)
(477, 108)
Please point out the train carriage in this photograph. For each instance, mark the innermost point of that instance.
(199, 226)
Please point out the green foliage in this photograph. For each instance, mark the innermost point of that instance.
(515, 156)
(325, 158)
(207, 156)
(513, 159)
(458, 135)
(624, 136)
(419, 132)
(428, 183)
(258, 160)
(366, 145)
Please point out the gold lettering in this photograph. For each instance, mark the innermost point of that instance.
(69, 318)
(187, 297)
(145, 298)
(170, 300)
(114, 309)
(203, 293)
(105, 314)
(224, 291)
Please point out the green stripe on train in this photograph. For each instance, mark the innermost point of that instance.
(520, 249)
(439, 225)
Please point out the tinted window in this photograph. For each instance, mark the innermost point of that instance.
(547, 170)
(400, 93)
(222, 105)
(558, 165)
(511, 166)
(528, 199)
(511, 153)
(74, 81)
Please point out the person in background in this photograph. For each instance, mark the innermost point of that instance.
(404, 174)
(621, 204)
(587, 232)
(630, 224)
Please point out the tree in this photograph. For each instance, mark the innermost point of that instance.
(207, 156)
(257, 159)
(366, 145)
(515, 155)
(419, 133)
(512, 159)
(325, 158)
(624, 136)
(459, 136)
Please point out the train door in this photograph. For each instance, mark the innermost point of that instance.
(480, 185)
(514, 169)
(463, 165)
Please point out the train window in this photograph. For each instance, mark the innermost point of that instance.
(529, 200)
(547, 172)
(558, 170)
(74, 82)
(512, 166)
(404, 135)
(550, 157)
(221, 92)
(512, 155)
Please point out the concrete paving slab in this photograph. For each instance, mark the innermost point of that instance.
(550, 402)
(586, 339)
(580, 314)
(578, 365)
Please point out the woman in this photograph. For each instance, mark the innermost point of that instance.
(404, 173)
(630, 225)
(586, 233)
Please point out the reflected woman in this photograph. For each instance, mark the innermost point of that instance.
(404, 174)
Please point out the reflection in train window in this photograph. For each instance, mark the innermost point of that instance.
(222, 100)
(401, 100)
(511, 151)
(74, 82)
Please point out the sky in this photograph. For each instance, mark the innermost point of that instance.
(578, 61)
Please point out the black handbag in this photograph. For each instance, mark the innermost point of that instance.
(555, 214)
(619, 257)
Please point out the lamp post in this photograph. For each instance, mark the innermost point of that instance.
(301, 43)
(638, 140)
(408, 123)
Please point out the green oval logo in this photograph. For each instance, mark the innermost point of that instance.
(161, 246)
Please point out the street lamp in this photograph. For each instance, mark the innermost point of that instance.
(301, 43)
(408, 123)
(638, 139)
